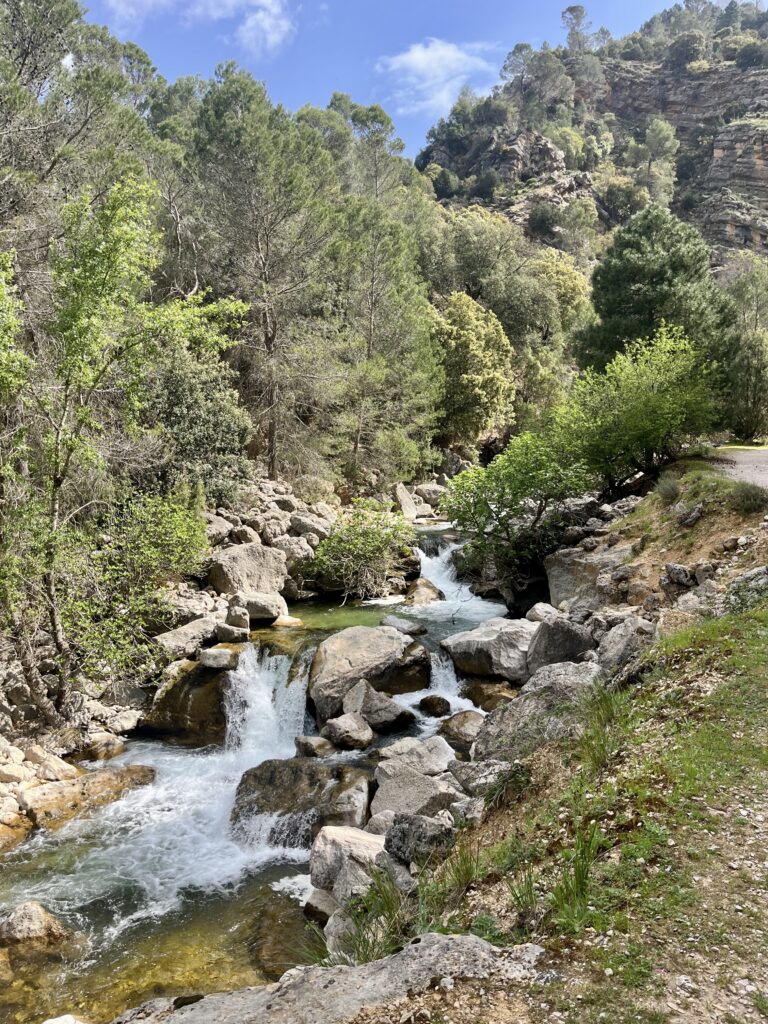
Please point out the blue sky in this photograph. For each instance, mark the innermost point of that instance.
(412, 56)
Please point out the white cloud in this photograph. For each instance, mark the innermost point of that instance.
(428, 76)
(260, 26)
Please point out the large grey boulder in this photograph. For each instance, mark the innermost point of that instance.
(625, 642)
(336, 848)
(318, 995)
(296, 797)
(216, 528)
(380, 712)
(248, 567)
(297, 550)
(403, 625)
(558, 640)
(413, 837)
(405, 502)
(423, 591)
(189, 704)
(186, 640)
(432, 756)
(388, 659)
(499, 647)
(303, 523)
(548, 708)
(572, 574)
(406, 791)
(431, 493)
(262, 608)
(348, 732)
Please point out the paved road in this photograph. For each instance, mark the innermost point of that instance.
(749, 465)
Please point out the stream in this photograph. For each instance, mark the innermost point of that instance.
(167, 900)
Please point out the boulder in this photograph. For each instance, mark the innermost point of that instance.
(403, 625)
(30, 922)
(321, 995)
(302, 523)
(334, 849)
(624, 642)
(297, 550)
(186, 640)
(414, 837)
(313, 746)
(297, 796)
(53, 803)
(216, 528)
(499, 647)
(189, 703)
(423, 591)
(541, 611)
(558, 640)
(572, 574)
(434, 706)
(261, 609)
(348, 732)
(429, 757)
(477, 777)
(489, 696)
(461, 729)
(406, 791)
(431, 493)
(248, 567)
(380, 712)
(405, 502)
(388, 659)
(244, 535)
(232, 634)
(320, 906)
(380, 824)
(221, 658)
(547, 709)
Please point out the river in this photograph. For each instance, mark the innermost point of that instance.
(167, 900)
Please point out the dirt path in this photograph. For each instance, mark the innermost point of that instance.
(750, 465)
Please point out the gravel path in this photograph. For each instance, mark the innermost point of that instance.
(748, 465)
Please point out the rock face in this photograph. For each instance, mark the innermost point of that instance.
(497, 648)
(573, 575)
(547, 709)
(248, 567)
(558, 640)
(305, 793)
(386, 658)
(316, 995)
(190, 703)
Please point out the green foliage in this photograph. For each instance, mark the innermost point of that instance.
(116, 570)
(657, 269)
(501, 508)
(748, 499)
(363, 549)
(479, 387)
(570, 896)
(668, 489)
(746, 405)
(637, 415)
(14, 364)
(603, 729)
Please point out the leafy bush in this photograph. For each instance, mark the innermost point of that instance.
(748, 499)
(668, 489)
(502, 508)
(363, 549)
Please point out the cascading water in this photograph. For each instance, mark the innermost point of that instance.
(139, 857)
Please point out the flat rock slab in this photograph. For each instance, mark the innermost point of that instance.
(316, 995)
(52, 804)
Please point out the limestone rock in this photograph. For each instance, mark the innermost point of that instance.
(348, 732)
(429, 757)
(405, 502)
(406, 791)
(423, 591)
(547, 709)
(220, 658)
(431, 493)
(314, 746)
(190, 703)
(434, 706)
(403, 625)
(248, 567)
(53, 803)
(413, 837)
(461, 729)
(573, 573)
(558, 640)
(499, 647)
(186, 641)
(262, 609)
(386, 658)
(624, 642)
(489, 696)
(30, 922)
(380, 712)
(336, 848)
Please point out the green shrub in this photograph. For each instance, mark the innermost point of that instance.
(668, 489)
(748, 499)
(363, 549)
(570, 897)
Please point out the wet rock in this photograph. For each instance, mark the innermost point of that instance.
(186, 641)
(380, 712)
(461, 729)
(558, 640)
(249, 568)
(435, 706)
(547, 709)
(413, 837)
(499, 647)
(348, 732)
(403, 625)
(305, 794)
(423, 591)
(53, 803)
(314, 746)
(102, 745)
(316, 995)
(386, 658)
(430, 757)
(488, 696)
(30, 922)
(190, 704)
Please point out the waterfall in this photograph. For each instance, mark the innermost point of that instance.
(461, 607)
(140, 855)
